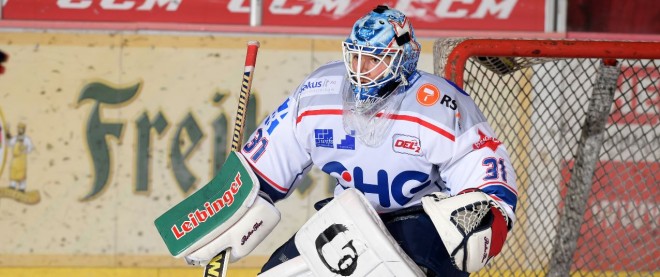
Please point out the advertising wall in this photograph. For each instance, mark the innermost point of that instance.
(123, 126)
(506, 15)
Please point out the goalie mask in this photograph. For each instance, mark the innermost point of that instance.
(380, 56)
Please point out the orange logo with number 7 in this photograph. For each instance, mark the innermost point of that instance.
(428, 94)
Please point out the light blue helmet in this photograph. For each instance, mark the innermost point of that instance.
(382, 38)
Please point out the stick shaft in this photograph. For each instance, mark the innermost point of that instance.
(244, 97)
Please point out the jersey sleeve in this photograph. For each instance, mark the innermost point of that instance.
(274, 153)
(481, 162)
(475, 158)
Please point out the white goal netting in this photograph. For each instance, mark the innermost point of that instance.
(581, 121)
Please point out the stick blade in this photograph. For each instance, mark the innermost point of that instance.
(217, 267)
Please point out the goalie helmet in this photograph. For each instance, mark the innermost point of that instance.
(382, 39)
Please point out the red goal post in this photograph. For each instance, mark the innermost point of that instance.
(581, 121)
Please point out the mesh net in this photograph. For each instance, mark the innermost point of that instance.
(469, 217)
(540, 110)
(508, 65)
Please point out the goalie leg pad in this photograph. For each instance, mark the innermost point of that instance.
(347, 237)
(473, 227)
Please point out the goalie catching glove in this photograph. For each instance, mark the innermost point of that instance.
(472, 226)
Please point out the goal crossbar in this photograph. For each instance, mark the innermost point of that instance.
(465, 49)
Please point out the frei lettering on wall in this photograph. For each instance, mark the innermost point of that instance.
(100, 132)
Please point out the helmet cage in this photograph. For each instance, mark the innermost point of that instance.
(360, 57)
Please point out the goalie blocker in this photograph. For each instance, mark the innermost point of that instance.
(473, 227)
(226, 213)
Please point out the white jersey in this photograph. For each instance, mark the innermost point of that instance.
(439, 141)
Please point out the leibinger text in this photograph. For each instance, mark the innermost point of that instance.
(210, 209)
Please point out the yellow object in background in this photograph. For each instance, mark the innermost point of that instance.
(118, 272)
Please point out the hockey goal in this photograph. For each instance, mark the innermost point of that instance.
(581, 121)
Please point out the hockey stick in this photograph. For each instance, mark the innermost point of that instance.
(244, 97)
(218, 265)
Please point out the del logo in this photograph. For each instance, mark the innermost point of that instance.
(406, 145)
(486, 141)
(210, 209)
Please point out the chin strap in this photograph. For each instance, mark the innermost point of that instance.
(388, 88)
